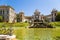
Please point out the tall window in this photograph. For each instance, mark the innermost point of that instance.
(0, 12)
(3, 12)
(7, 11)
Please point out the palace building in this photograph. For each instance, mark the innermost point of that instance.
(9, 15)
(50, 17)
(22, 17)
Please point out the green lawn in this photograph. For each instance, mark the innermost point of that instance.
(23, 24)
(23, 33)
(55, 24)
(37, 33)
(18, 24)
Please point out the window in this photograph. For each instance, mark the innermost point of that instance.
(0, 12)
(7, 11)
(3, 12)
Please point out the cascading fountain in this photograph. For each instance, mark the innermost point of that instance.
(38, 21)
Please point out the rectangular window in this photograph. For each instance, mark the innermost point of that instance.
(7, 11)
(3, 12)
(0, 12)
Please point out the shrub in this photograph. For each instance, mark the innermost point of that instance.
(58, 16)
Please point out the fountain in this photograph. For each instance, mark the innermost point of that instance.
(38, 21)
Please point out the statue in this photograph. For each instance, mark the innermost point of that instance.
(38, 21)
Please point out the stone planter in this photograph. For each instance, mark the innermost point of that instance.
(7, 37)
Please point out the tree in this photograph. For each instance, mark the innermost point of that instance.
(58, 16)
(17, 16)
(0, 18)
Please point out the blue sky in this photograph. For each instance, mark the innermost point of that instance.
(29, 6)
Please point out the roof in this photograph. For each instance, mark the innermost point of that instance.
(21, 12)
(28, 17)
(48, 16)
(5, 6)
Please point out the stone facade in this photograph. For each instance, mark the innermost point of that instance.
(20, 17)
(24, 18)
(54, 13)
(8, 13)
(50, 17)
